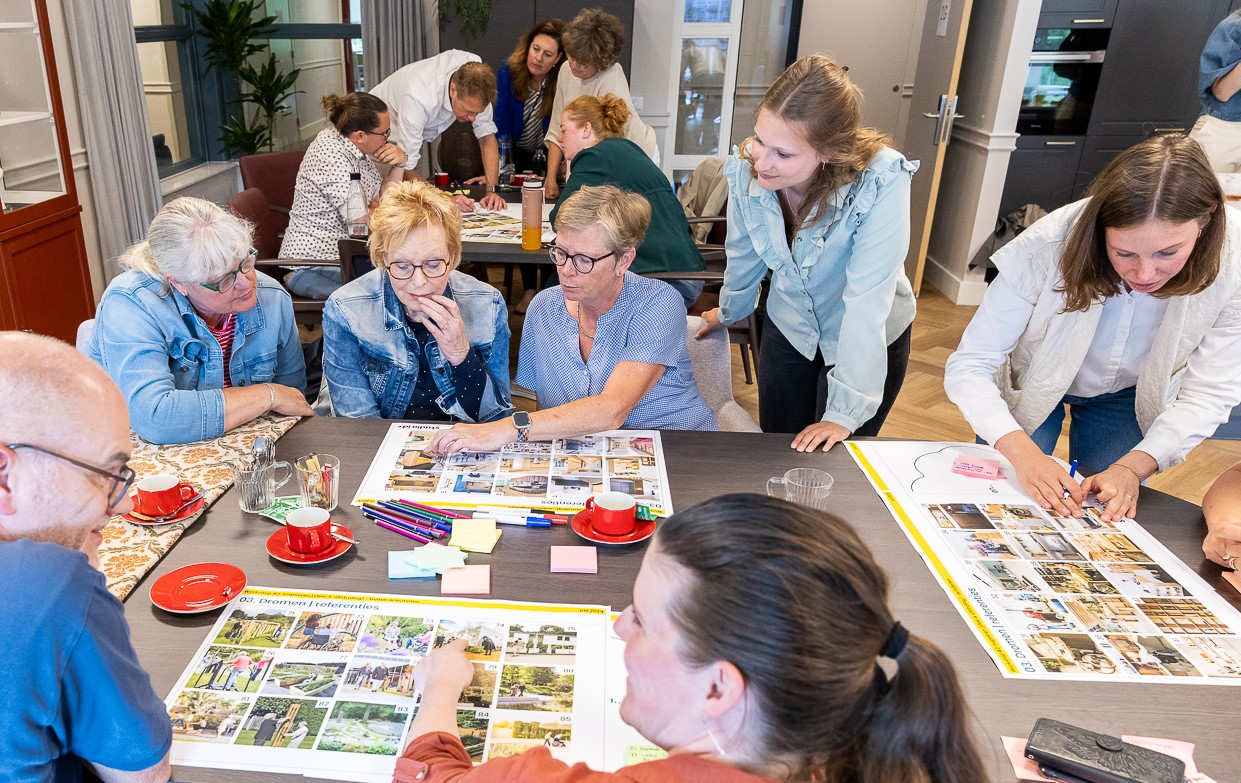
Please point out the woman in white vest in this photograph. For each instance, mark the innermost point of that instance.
(1125, 307)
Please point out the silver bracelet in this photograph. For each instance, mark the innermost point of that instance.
(271, 398)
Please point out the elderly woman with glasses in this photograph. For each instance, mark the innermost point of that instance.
(605, 348)
(415, 339)
(198, 340)
(355, 142)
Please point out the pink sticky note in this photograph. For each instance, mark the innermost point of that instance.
(1024, 768)
(467, 580)
(575, 560)
(977, 467)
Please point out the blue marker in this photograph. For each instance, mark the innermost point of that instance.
(1072, 472)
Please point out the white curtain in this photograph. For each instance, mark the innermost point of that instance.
(123, 175)
(394, 33)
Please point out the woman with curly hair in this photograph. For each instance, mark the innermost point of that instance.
(592, 43)
(824, 204)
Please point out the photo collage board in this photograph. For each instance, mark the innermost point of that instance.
(1053, 597)
(289, 681)
(557, 475)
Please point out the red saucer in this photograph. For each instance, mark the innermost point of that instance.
(278, 547)
(581, 525)
(189, 512)
(196, 588)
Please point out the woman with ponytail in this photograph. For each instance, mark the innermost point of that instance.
(592, 135)
(356, 140)
(811, 703)
(824, 205)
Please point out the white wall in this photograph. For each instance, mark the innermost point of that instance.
(654, 22)
(992, 74)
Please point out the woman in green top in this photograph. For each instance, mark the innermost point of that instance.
(592, 136)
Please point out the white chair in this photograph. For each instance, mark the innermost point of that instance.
(86, 330)
(711, 361)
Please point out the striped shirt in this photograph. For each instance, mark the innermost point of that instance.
(532, 122)
(646, 324)
(224, 336)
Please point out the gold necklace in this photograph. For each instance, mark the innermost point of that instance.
(577, 319)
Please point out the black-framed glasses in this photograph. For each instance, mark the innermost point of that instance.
(121, 482)
(432, 267)
(581, 262)
(385, 134)
(227, 282)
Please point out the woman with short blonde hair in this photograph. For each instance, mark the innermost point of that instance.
(604, 349)
(198, 340)
(415, 338)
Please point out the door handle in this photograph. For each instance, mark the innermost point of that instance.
(941, 119)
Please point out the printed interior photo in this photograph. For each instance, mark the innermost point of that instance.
(967, 516)
(1033, 612)
(1142, 579)
(1216, 656)
(1108, 614)
(977, 546)
(1010, 576)
(1045, 546)
(1152, 656)
(1182, 616)
(1016, 517)
(1070, 653)
(1065, 577)
(631, 447)
(586, 444)
(1110, 547)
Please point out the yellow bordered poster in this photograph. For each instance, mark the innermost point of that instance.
(321, 683)
(555, 475)
(1052, 597)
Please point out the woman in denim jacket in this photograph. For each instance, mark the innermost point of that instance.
(823, 204)
(415, 339)
(198, 340)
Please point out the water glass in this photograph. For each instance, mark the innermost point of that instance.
(808, 487)
(257, 484)
(318, 480)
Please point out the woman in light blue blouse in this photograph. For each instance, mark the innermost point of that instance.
(197, 339)
(823, 204)
(605, 348)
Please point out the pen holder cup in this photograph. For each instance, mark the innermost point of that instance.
(318, 480)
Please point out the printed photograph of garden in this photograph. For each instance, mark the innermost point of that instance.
(535, 688)
(357, 727)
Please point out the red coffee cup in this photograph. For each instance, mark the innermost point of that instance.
(612, 513)
(518, 179)
(163, 494)
(309, 530)
(441, 179)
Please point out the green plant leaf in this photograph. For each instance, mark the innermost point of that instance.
(473, 15)
(245, 138)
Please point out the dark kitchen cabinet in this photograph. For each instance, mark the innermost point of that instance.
(1077, 13)
(1042, 170)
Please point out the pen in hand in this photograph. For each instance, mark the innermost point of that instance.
(1072, 471)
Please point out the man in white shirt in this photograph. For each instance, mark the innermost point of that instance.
(427, 96)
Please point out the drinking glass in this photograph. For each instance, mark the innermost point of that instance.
(318, 480)
(805, 486)
(257, 484)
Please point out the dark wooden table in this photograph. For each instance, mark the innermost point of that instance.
(700, 466)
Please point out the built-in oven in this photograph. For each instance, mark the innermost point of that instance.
(1063, 77)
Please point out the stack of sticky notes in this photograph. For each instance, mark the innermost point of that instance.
(575, 560)
(977, 467)
(436, 557)
(399, 567)
(467, 580)
(475, 535)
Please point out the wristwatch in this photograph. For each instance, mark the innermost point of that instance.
(521, 420)
(491, 189)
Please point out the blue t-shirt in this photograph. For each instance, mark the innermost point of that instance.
(74, 687)
(646, 324)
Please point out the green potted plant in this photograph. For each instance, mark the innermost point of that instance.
(473, 15)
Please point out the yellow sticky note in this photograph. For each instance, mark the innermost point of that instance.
(475, 535)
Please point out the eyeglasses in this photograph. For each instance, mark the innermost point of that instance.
(121, 482)
(385, 134)
(432, 267)
(227, 282)
(581, 262)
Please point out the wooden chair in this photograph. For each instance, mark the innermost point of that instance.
(355, 259)
(275, 174)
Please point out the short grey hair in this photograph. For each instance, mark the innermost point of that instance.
(622, 214)
(191, 240)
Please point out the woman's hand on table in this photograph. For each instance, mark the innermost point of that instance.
(711, 323)
(391, 155)
(474, 437)
(290, 402)
(445, 669)
(825, 433)
(1041, 476)
(494, 202)
(1117, 488)
(1222, 546)
(443, 321)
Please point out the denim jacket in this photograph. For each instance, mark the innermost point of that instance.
(841, 289)
(1221, 53)
(170, 368)
(367, 363)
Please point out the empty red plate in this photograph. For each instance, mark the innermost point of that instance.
(196, 588)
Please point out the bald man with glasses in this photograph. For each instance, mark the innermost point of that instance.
(75, 694)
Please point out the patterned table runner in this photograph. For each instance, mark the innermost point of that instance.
(128, 550)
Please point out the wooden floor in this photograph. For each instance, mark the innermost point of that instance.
(923, 412)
